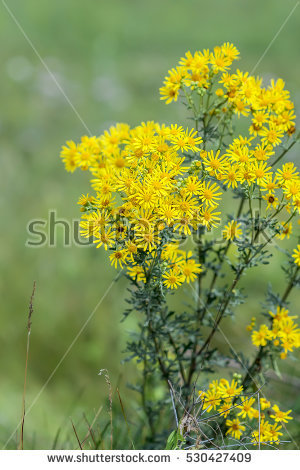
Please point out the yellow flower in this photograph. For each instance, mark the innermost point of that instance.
(260, 117)
(274, 433)
(173, 279)
(271, 200)
(131, 249)
(269, 184)
(260, 337)
(192, 187)
(169, 92)
(241, 107)
(264, 403)
(291, 189)
(210, 218)
(272, 135)
(286, 230)
(181, 142)
(219, 60)
(230, 51)
(137, 272)
(288, 173)
(106, 238)
(93, 222)
(296, 255)
(232, 230)
(261, 171)
(280, 416)
(219, 92)
(230, 390)
(210, 193)
(230, 175)
(262, 152)
(246, 408)
(193, 140)
(262, 434)
(69, 154)
(145, 197)
(85, 200)
(147, 239)
(213, 163)
(225, 408)
(117, 258)
(183, 225)
(235, 428)
(281, 313)
(171, 252)
(172, 83)
(186, 206)
(212, 400)
(168, 213)
(190, 269)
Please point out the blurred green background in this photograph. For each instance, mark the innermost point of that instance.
(110, 59)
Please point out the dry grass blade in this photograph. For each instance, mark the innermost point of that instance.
(91, 427)
(90, 431)
(107, 380)
(173, 403)
(29, 322)
(124, 415)
(75, 432)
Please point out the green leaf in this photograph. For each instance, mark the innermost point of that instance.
(275, 367)
(172, 441)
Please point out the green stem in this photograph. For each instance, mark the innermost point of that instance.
(256, 364)
(290, 285)
(216, 273)
(227, 298)
(283, 153)
(251, 215)
(191, 103)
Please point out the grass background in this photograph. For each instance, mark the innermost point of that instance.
(110, 59)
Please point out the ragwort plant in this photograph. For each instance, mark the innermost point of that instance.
(154, 206)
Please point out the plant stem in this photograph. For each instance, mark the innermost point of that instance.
(283, 153)
(216, 273)
(290, 285)
(29, 321)
(256, 364)
(226, 302)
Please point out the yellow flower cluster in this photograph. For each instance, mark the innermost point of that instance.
(272, 112)
(283, 334)
(248, 159)
(197, 70)
(144, 188)
(296, 255)
(155, 183)
(226, 399)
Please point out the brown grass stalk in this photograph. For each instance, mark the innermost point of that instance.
(29, 322)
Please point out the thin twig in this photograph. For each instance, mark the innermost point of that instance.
(90, 431)
(107, 380)
(173, 404)
(125, 418)
(75, 432)
(91, 426)
(29, 322)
